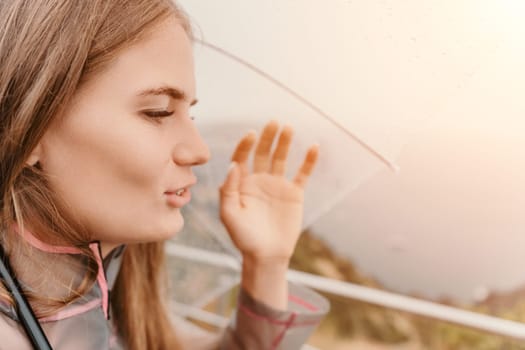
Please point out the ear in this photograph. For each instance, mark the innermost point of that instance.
(35, 156)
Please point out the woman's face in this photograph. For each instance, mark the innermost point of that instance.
(116, 165)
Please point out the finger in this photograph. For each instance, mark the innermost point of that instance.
(242, 151)
(308, 165)
(244, 147)
(281, 151)
(261, 159)
(229, 191)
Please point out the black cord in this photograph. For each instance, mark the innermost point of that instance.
(25, 313)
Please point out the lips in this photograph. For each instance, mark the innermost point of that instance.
(179, 196)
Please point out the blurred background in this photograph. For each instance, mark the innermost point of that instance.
(417, 106)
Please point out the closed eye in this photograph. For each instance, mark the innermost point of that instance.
(159, 114)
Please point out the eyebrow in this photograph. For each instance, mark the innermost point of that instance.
(169, 91)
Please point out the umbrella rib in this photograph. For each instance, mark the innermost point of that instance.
(303, 100)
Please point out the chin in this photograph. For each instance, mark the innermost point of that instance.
(160, 228)
(172, 226)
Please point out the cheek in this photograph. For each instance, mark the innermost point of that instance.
(113, 180)
(108, 162)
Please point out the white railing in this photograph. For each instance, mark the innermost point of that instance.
(494, 325)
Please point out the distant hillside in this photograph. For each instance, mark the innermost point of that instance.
(351, 319)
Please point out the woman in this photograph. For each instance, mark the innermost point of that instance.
(96, 156)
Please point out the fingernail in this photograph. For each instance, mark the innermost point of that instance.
(232, 165)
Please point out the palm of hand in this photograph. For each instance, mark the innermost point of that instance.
(274, 206)
(263, 211)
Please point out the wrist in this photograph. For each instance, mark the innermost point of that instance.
(265, 280)
(255, 262)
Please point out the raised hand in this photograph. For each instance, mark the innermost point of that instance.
(262, 210)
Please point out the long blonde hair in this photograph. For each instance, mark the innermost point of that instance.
(48, 48)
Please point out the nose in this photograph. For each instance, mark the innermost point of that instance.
(190, 148)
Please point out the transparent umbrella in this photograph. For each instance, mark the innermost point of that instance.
(360, 78)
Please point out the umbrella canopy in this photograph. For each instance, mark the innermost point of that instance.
(432, 87)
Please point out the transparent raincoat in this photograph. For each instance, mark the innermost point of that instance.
(87, 324)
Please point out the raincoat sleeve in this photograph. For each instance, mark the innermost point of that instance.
(256, 326)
